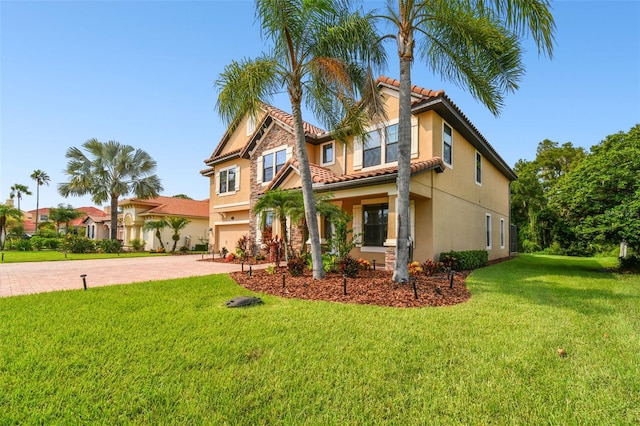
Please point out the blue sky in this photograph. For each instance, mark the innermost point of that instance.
(143, 73)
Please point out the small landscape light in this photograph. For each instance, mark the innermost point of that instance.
(84, 280)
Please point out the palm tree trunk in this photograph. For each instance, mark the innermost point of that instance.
(305, 178)
(114, 217)
(285, 237)
(37, 204)
(400, 270)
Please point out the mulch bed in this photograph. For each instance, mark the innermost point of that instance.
(369, 288)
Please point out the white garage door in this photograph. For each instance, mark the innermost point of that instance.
(228, 236)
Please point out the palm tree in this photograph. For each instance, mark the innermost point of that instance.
(473, 43)
(6, 213)
(63, 214)
(41, 178)
(176, 224)
(156, 225)
(17, 191)
(280, 203)
(321, 55)
(108, 171)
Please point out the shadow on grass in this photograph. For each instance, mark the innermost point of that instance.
(584, 285)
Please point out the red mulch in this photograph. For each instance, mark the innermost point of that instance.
(369, 288)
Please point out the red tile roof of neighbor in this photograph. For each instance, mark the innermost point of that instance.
(171, 206)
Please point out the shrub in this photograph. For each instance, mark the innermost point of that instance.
(630, 263)
(230, 257)
(270, 270)
(22, 245)
(414, 268)
(464, 260)
(137, 244)
(364, 264)
(53, 243)
(242, 246)
(349, 266)
(223, 252)
(431, 268)
(276, 250)
(77, 244)
(109, 246)
(259, 256)
(37, 242)
(296, 265)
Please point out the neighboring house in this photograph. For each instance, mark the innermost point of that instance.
(136, 212)
(459, 184)
(97, 225)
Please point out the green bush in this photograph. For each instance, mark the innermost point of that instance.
(77, 244)
(464, 260)
(109, 246)
(37, 242)
(137, 244)
(22, 245)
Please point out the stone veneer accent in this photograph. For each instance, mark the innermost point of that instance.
(389, 257)
(274, 137)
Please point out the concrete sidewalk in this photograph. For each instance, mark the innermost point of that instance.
(37, 277)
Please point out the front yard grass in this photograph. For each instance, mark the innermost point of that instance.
(53, 255)
(171, 352)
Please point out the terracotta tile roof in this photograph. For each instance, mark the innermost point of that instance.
(417, 91)
(322, 175)
(171, 206)
(287, 119)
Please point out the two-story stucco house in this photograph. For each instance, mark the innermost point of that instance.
(459, 183)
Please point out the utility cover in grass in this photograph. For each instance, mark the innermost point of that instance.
(241, 301)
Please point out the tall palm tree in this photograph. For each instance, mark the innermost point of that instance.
(108, 171)
(41, 178)
(321, 55)
(156, 225)
(6, 213)
(176, 223)
(17, 191)
(473, 43)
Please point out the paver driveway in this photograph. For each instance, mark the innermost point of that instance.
(38, 277)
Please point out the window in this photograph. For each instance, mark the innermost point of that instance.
(374, 223)
(327, 228)
(273, 163)
(478, 168)
(447, 145)
(327, 152)
(488, 228)
(372, 149)
(377, 143)
(251, 125)
(391, 144)
(502, 235)
(227, 180)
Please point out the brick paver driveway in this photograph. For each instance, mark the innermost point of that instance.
(37, 277)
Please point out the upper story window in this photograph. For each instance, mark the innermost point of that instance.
(227, 180)
(327, 152)
(478, 168)
(381, 147)
(272, 163)
(447, 145)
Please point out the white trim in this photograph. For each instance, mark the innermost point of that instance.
(381, 128)
(236, 184)
(372, 249)
(288, 152)
(232, 222)
(333, 150)
(251, 125)
(224, 206)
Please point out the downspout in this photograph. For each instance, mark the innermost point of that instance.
(344, 158)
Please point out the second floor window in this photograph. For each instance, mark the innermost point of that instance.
(227, 180)
(447, 145)
(272, 163)
(327, 153)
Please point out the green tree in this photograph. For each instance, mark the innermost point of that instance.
(177, 224)
(64, 214)
(41, 178)
(17, 191)
(108, 171)
(321, 55)
(6, 214)
(473, 43)
(157, 226)
(600, 198)
(281, 204)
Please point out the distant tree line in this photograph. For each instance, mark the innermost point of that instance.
(570, 201)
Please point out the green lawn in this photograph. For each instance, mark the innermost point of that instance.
(171, 352)
(53, 255)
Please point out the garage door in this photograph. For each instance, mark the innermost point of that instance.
(228, 236)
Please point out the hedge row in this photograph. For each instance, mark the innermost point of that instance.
(464, 260)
